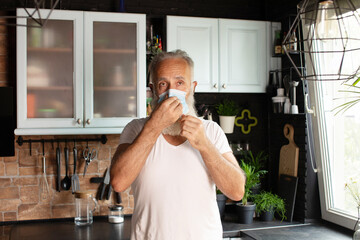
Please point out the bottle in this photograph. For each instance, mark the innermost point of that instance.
(287, 45)
(160, 44)
(271, 87)
(293, 42)
(277, 47)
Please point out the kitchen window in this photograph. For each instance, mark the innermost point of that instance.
(336, 138)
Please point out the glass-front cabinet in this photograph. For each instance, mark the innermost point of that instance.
(81, 73)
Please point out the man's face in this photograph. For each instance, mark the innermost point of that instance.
(172, 73)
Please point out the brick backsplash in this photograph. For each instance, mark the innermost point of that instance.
(20, 180)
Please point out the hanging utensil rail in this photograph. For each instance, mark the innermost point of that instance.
(21, 141)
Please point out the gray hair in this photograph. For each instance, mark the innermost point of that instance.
(169, 55)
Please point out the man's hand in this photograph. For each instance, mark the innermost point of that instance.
(192, 128)
(166, 113)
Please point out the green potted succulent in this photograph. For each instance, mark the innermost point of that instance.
(246, 209)
(227, 111)
(267, 204)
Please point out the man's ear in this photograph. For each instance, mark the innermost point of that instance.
(151, 86)
(194, 85)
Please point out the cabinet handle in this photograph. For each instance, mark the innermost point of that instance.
(88, 122)
(224, 86)
(215, 85)
(78, 121)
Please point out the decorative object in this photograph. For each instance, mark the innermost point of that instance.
(330, 33)
(40, 19)
(353, 187)
(227, 111)
(246, 116)
(356, 235)
(267, 204)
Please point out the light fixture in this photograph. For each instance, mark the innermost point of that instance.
(328, 39)
(33, 13)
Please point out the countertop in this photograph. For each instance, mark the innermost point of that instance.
(102, 229)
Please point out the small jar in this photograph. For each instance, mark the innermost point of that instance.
(116, 214)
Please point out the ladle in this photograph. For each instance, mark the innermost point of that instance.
(66, 182)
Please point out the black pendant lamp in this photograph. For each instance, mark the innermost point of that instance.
(33, 13)
(327, 35)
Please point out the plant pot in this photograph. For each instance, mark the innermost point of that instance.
(267, 216)
(246, 212)
(227, 123)
(221, 201)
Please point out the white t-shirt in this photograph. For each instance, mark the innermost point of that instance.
(174, 195)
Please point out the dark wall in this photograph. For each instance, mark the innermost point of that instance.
(272, 10)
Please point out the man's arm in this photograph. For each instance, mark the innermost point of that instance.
(129, 159)
(223, 168)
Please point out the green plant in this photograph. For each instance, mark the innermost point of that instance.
(267, 201)
(227, 108)
(258, 161)
(353, 187)
(252, 179)
(354, 91)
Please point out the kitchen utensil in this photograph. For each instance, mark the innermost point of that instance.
(287, 188)
(75, 185)
(118, 197)
(109, 192)
(66, 182)
(88, 156)
(294, 107)
(105, 184)
(286, 81)
(289, 154)
(83, 209)
(44, 186)
(58, 162)
(96, 179)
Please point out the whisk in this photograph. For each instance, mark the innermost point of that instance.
(44, 186)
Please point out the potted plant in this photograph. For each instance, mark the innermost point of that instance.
(267, 204)
(246, 209)
(221, 201)
(353, 186)
(227, 111)
(258, 161)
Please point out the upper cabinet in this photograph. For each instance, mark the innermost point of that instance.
(199, 38)
(229, 55)
(82, 73)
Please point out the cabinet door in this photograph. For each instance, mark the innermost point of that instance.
(50, 71)
(114, 57)
(199, 38)
(243, 55)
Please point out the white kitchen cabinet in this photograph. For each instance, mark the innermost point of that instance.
(243, 55)
(229, 55)
(199, 38)
(82, 73)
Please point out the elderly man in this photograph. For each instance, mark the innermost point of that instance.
(173, 160)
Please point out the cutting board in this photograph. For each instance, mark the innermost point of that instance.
(289, 154)
(287, 187)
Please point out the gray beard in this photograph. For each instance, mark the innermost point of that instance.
(175, 128)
